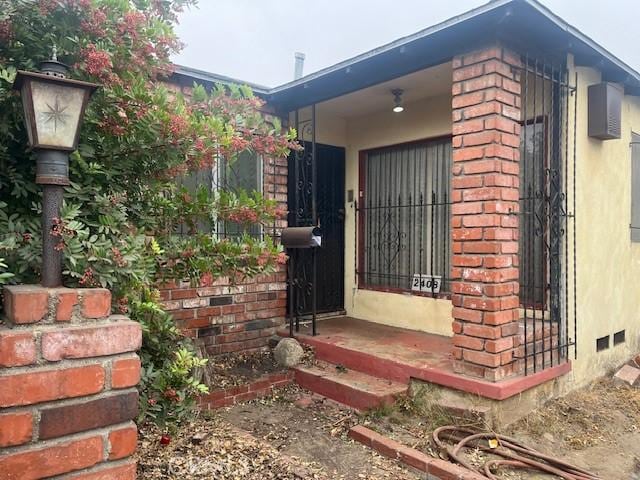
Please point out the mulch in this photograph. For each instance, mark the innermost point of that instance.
(210, 448)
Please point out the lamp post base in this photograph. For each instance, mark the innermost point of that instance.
(51, 257)
(52, 172)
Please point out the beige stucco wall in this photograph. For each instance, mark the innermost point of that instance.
(423, 119)
(608, 263)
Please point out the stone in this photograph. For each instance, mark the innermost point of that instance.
(288, 353)
(274, 340)
(627, 375)
(304, 401)
(199, 437)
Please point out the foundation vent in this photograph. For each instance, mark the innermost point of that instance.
(619, 337)
(602, 343)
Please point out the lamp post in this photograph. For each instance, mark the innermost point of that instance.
(53, 109)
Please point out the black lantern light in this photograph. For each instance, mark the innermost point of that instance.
(53, 109)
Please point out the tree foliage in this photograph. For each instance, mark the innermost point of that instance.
(118, 226)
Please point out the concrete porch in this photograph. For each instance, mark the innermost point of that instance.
(396, 355)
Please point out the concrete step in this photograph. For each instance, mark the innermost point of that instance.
(349, 387)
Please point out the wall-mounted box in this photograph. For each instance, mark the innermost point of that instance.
(605, 111)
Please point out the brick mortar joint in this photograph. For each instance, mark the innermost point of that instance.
(64, 364)
(102, 432)
(98, 468)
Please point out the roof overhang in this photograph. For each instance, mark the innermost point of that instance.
(187, 75)
(525, 24)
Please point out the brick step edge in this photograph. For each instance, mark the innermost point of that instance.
(435, 467)
(261, 387)
(343, 391)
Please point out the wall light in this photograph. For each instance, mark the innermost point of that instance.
(397, 100)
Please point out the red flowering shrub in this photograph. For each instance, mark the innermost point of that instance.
(123, 207)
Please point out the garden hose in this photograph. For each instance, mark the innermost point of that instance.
(515, 455)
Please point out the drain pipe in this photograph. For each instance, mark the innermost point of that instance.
(299, 65)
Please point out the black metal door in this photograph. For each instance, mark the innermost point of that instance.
(329, 191)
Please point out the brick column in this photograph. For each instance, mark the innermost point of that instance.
(485, 191)
(68, 372)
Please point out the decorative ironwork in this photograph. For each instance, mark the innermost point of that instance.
(404, 216)
(547, 226)
(303, 263)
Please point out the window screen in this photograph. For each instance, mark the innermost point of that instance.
(635, 187)
(405, 217)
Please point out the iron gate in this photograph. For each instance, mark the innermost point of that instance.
(547, 242)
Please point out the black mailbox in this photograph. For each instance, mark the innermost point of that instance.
(301, 237)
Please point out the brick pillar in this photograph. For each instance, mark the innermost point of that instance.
(68, 372)
(485, 191)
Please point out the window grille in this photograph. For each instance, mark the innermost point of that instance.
(404, 217)
(242, 174)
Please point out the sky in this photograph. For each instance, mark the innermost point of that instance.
(255, 40)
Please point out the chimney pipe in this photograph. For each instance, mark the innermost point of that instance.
(299, 65)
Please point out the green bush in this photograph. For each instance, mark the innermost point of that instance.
(117, 228)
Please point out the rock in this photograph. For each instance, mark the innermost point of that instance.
(198, 438)
(274, 340)
(627, 375)
(288, 353)
(304, 401)
(548, 437)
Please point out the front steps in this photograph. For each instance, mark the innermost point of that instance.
(349, 387)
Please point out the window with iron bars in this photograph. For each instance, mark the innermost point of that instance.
(242, 174)
(404, 217)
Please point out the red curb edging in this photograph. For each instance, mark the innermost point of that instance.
(260, 387)
(439, 469)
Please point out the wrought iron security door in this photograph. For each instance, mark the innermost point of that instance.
(316, 197)
(547, 241)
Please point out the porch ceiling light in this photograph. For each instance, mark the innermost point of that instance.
(397, 100)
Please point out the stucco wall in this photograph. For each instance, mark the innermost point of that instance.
(421, 120)
(608, 263)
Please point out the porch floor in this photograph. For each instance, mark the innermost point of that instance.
(398, 354)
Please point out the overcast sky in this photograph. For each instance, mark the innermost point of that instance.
(254, 40)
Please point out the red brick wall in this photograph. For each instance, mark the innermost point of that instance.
(485, 192)
(228, 317)
(68, 373)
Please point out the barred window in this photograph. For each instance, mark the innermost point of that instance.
(404, 217)
(244, 173)
(534, 227)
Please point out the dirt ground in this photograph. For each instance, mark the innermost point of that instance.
(230, 370)
(596, 428)
(292, 436)
(315, 431)
(209, 448)
(303, 436)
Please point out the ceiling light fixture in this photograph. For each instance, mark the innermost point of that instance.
(397, 100)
